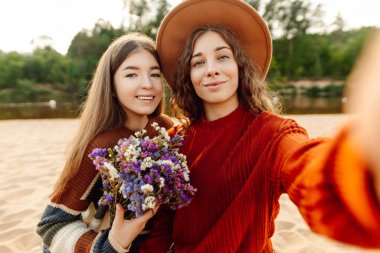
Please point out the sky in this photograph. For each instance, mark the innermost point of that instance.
(22, 21)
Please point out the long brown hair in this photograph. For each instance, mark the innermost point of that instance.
(252, 92)
(101, 111)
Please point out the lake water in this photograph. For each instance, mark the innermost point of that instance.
(38, 111)
(290, 105)
(308, 105)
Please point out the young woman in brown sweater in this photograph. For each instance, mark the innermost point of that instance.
(126, 95)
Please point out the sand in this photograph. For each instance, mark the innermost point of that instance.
(32, 155)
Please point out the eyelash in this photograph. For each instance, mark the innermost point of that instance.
(155, 75)
(197, 63)
(222, 57)
(131, 75)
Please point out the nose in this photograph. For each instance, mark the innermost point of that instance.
(212, 70)
(146, 82)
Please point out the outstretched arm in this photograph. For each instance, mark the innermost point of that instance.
(335, 183)
(364, 101)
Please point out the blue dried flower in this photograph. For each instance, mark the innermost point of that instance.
(139, 161)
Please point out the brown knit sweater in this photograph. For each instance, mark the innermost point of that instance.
(62, 226)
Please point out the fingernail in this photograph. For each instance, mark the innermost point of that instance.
(117, 207)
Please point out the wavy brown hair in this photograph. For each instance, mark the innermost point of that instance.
(252, 92)
(102, 111)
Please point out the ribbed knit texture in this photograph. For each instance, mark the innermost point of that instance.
(241, 164)
(62, 227)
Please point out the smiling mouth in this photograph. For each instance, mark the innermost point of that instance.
(212, 84)
(145, 98)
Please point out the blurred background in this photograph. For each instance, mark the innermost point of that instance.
(48, 52)
(48, 61)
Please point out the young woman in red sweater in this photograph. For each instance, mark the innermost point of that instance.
(126, 95)
(242, 156)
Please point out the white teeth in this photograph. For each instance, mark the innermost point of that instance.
(145, 97)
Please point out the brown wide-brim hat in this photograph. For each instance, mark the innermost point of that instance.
(237, 16)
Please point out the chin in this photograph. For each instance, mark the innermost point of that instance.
(146, 112)
(216, 101)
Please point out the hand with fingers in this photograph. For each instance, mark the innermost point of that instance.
(364, 102)
(123, 232)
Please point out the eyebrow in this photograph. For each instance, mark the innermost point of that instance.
(135, 67)
(216, 49)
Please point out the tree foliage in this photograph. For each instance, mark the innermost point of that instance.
(145, 16)
(291, 18)
(298, 52)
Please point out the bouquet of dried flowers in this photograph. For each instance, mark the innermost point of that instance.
(141, 172)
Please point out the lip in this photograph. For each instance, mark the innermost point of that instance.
(213, 84)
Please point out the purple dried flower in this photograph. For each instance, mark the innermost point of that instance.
(100, 152)
(108, 199)
(138, 161)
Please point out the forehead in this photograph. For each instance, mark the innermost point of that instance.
(209, 40)
(139, 55)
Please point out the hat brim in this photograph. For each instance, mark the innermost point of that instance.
(236, 15)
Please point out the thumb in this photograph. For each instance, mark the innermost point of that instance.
(119, 216)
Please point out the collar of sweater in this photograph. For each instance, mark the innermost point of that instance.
(233, 117)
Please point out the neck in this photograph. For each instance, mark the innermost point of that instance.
(136, 123)
(217, 111)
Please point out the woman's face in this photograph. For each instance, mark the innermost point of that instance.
(214, 72)
(138, 84)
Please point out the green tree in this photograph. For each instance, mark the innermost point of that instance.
(45, 66)
(11, 69)
(338, 23)
(85, 51)
(146, 16)
(138, 13)
(255, 4)
(152, 26)
(288, 19)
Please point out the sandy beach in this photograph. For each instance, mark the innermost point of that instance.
(32, 155)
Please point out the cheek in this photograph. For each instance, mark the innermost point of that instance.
(192, 76)
(236, 80)
(160, 83)
(159, 86)
(117, 89)
(235, 75)
(118, 84)
(123, 90)
(195, 76)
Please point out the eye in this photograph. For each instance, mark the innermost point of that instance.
(156, 75)
(197, 63)
(223, 57)
(130, 75)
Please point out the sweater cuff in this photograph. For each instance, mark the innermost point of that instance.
(355, 183)
(116, 245)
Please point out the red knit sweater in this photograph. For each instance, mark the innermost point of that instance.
(242, 163)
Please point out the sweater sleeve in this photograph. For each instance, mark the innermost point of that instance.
(332, 187)
(62, 226)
